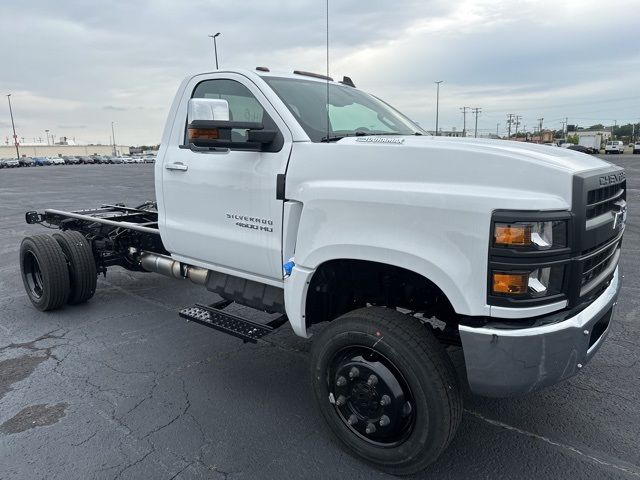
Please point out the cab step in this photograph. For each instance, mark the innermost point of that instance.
(213, 316)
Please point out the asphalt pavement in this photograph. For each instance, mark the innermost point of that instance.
(122, 388)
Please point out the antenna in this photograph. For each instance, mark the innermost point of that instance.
(328, 125)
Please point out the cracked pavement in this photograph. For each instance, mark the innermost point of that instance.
(122, 388)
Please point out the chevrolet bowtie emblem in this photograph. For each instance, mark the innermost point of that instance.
(620, 217)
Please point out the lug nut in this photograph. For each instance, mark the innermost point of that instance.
(586, 332)
(341, 382)
(579, 365)
(384, 421)
(385, 400)
(341, 400)
(406, 409)
(371, 428)
(373, 380)
(354, 372)
(352, 420)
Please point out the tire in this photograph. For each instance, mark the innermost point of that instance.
(44, 272)
(420, 422)
(81, 264)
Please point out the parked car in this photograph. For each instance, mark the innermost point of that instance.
(86, 160)
(149, 159)
(100, 159)
(614, 146)
(636, 147)
(127, 160)
(57, 160)
(10, 163)
(116, 160)
(26, 162)
(71, 160)
(42, 161)
(579, 148)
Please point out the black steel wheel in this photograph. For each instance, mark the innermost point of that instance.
(44, 272)
(81, 264)
(386, 388)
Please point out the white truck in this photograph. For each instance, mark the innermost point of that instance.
(614, 146)
(336, 209)
(593, 142)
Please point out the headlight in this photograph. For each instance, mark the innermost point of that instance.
(529, 257)
(539, 282)
(530, 235)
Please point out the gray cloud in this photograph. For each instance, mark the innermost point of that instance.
(92, 65)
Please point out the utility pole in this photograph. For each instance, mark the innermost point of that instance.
(497, 128)
(615, 124)
(540, 130)
(509, 122)
(464, 120)
(476, 110)
(518, 118)
(215, 47)
(15, 137)
(437, 102)
(113, 136)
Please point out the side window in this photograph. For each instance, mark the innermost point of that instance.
(243, 106)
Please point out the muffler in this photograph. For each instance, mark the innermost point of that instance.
(152, 262)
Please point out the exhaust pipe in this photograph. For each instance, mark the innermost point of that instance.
(152, 262)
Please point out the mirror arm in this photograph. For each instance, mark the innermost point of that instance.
(195, 148)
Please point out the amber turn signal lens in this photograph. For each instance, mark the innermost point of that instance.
(203, 133)
(510, 283)
(518, 235)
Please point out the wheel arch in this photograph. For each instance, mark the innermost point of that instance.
(301, 288)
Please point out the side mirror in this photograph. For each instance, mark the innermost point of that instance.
(209, 128)
(207, 109)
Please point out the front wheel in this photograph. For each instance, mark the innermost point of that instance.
(386, 388)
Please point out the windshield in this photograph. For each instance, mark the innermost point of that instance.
(351, 112)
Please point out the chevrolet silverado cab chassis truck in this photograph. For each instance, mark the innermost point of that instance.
(318, 203)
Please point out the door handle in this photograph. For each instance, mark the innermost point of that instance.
(177, 166)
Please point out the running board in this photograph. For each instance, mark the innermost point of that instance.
(214, 317)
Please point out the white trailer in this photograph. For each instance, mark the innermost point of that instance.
(591, 141)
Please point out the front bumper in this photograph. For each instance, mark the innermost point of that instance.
(503, 362)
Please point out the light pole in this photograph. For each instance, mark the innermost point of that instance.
(215, 47)
(113, 137)
(437, 102)
(47, 132)
(15, 137)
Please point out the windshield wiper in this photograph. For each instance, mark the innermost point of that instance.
(333, 138)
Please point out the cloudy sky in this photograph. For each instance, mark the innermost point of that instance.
(74, 66)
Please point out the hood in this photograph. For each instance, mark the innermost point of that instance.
(549, 156)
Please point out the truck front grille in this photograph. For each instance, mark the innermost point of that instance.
(602, 200)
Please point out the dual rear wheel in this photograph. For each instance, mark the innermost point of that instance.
(57, 269)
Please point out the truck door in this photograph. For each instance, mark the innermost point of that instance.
(220, 208)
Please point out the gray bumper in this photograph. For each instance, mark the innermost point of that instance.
(505, 362)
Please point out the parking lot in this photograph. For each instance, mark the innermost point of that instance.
(121, 387)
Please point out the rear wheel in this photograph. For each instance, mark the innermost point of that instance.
(386, 388)
(44, 272)
(81, 264)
